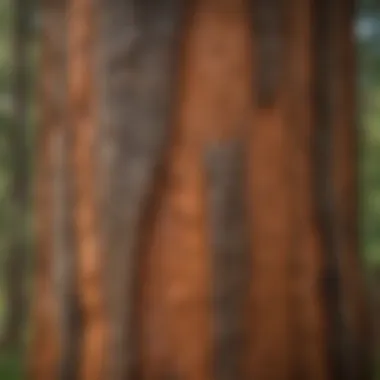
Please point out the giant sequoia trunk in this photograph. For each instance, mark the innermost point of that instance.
(210, 152)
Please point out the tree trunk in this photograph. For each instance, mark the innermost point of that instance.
(55, 314)
(212, 150)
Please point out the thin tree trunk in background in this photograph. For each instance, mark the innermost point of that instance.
(64, 260)
(15, 271)
(53, 344)
(90, 257)
(213, 204)
(64, 248)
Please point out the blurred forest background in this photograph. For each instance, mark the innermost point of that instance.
(19, 24)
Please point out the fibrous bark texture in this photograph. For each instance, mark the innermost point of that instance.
(204, 193)
(137, 52)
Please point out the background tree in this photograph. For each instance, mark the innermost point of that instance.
(18, 137)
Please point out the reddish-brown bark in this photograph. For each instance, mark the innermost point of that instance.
(213, 104)
(304, 276)
(271, 202)
(82, 118)
(45, 343)
(308, 356)
(45, 335)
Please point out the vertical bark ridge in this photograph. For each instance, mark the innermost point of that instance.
(154, 321)
(307, 326)
(154, 359)
(64, 257)
(63, 250)
(89, 258)
(270, 188)
(139, 48)
(184, 255)
(213, 100)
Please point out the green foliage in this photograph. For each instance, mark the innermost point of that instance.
(11, 365)
(371, 177)
(369, 80)
(10, 360)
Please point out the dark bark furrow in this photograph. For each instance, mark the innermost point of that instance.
(229, 244)
(64, 260)
(267, 27)
(332, 285)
